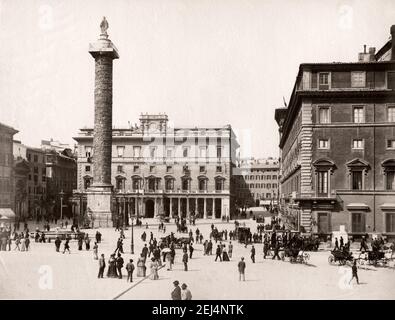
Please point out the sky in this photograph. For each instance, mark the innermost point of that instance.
(202, 62)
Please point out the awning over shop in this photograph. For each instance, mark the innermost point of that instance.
(7, 214)
(388, 206)
(357, 206)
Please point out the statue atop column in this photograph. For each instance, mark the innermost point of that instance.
(104, 26)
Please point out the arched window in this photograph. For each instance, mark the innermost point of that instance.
(185, 184)
(120, 183)
(136, 183)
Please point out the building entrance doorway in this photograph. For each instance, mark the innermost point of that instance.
(149, 208)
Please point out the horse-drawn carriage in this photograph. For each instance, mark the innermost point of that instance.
(295, 255)
(178, 242)
(340, 256)
(376, 257)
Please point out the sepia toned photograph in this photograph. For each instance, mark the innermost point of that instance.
(197, 150)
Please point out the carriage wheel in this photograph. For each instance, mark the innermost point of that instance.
(331, 259)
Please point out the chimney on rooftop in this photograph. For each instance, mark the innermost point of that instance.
(367, 56)
(392, 42)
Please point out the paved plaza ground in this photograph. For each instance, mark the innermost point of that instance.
(43, 273)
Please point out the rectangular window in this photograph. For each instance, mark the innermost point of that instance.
(119, 169)
(137, 152)
(87, 168)
(322, 183)
(391, 144)
(203, 152)
(43, 171)
(390, 222)
(219, 152)
(43, 178)
(202, 169)
(358, 115)
(152, 152)
(120, 151)
(169, 169)
(323, 144)
(35, 158)
(358, 79)
(323, 115)
(357, 222)
(185, 152)
(169, 153)
(356, 180)
(357, 143)
(88, 151)
(391, 80)
(323, 81)
(390, 185)
(218, 169)
(136, 169)
(35, 170)
(151, 169)
(391, 114)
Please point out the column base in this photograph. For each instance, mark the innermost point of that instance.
(99, 206)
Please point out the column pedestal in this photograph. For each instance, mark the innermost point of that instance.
(99, 206)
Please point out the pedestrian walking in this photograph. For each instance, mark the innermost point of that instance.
(95, 249)
(66, 246)
(185, 261)
(176, 293)
(253, 254)
(218, 253)
(341, 242)
(17, 242)
(119, 263)
(276, 251)
(87, 242)
(185, 293)
(130, 269)
(154, 269)
(141, 268)
(336, 244)
(354, 272)
(230, 249)
(102, 266)
(241, 267)
(190, 250)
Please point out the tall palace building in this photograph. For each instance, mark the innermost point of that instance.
(158, 170)
(337, 145)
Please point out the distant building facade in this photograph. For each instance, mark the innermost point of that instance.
(256, 182)
(158, 170)
(7, 192)
(36, 183)
(337, 146)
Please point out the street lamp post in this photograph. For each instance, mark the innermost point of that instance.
(61, 193)
(132, 236)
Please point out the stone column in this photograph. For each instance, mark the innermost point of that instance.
(187, 213)
(135, 205)
(213, 217)
(171, 207)
(196, 207)
(179, 207)
(99, 195)
(205, 208)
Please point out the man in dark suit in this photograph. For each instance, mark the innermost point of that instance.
(102, 266)
(185, 260)
(253, 254)
(130, 269)
(119, 263)
(218, 253)
(176, 293)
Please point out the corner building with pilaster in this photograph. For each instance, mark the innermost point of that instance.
(337, 146)
(158, 170)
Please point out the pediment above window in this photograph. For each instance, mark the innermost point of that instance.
(357, 164)
(324, 165)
